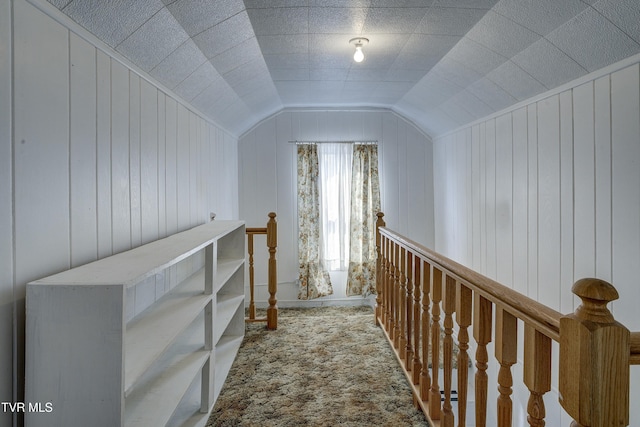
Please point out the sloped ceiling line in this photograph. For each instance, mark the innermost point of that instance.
(440, 63)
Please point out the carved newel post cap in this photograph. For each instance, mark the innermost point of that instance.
(594, 359)
(272, 215)
(595, 295)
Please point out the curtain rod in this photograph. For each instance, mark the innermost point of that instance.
(372, 142)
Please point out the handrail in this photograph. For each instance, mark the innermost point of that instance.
(546, 319)
(271, 231)
(420, 292)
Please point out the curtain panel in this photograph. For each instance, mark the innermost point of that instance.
(314, 281)
(365, 204)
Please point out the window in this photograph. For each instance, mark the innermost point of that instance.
(334, 179)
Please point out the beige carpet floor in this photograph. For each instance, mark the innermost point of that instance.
(324, 366)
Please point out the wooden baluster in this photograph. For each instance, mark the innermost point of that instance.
(389, 287)
(482, 318)
(449, 305)
(416, 366)
(594, 359)
(272, 244)
(537, 373)
(425, 378)
(392, 290)
(464, 302)
(252, 305)
(379, 300)
(408, 309)
(506, 353)
(397, 297)
(402, 305)
(436, 297)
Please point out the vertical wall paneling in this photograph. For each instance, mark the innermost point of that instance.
(403, 196)
(82, 147)
(6, 215)
(566, 202)
(584, 179)
(602, 163)
(182, 168)
(120, 199)
(504, 202)
(482, 153)
(103, 153)
(149, 149)
(41, 160)
(520, 199)
(171, 165)
(476, 241)
(135, 159)
(549, 201)
(286, 196)
(532, 197)
(192, 150)
(41, 145)
(625, 134)
(162, 159)
(490, 161)
(391, 182)
(265, 151)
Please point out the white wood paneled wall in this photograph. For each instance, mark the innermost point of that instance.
(6, 227)
(549, 193)
(268, 178)
(94, 159)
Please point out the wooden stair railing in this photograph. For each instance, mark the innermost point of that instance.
(416, 287)
(271, 231)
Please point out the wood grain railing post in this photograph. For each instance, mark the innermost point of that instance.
(537, 373)
(272, 244)
(389, 288)
(594, 359)
(252, 305)
(408, 360)
(464, 304)
(506, 354)
(436, 297)
(482, 321)
(402, 304)
(379, 269)
(425, 378)
(397, 297)
(449, 305)
(416, 365)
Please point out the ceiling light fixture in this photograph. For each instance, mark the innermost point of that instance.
(358, 56)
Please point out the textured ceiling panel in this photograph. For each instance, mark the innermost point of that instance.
(540, 16)
(502, 35)
(179, 64)
(593, 41)
(440, 63)
(515, 81)
(112, 21)
(225, 35)
(548, 64)
(154, 40)
(625, 14)
(196, 16)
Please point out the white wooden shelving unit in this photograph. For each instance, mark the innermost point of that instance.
(142, 338)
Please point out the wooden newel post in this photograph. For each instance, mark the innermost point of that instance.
(272, 243)
(594, 359)
(379, 267)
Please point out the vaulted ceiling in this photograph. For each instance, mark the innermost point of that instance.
(440, 63)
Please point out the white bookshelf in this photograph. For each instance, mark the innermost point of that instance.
(142, 338)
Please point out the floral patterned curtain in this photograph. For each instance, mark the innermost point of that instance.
(365, 204)
(314, 279)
